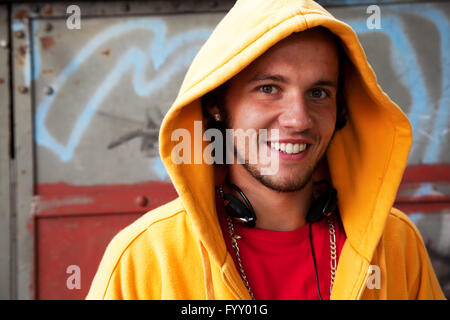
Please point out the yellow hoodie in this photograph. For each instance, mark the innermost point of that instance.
(177, 251)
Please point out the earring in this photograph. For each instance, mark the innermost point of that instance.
(217, 117)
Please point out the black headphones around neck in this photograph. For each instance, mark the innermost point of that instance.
(243, 213)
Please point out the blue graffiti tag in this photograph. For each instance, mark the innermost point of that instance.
(441, 115)
(408, 70)
(133, 58)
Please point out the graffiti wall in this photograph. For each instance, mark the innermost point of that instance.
(98, 94)
(408, 51)
(124, 74)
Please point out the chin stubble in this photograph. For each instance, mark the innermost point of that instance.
(290, 186)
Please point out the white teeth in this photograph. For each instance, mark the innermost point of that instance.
(288, 148)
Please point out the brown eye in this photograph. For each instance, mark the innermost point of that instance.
(268, 89)
(318, 93)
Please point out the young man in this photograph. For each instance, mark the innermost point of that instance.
(299, 79)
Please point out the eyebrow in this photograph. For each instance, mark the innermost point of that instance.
(280, 78)
(327, 83)
(272, 77)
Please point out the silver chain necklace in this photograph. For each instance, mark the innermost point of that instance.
(234, 238)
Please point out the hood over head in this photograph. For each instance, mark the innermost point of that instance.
(366, 158)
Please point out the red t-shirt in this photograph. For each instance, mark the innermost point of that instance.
(279, 264)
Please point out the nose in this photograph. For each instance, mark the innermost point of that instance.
(295, 114)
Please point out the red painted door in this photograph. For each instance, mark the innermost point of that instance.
(73, 226)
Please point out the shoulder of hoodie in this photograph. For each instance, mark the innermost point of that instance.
(165, 216)
(143, 234)
(155, 218)
(400, 232)
(405, 256)
(398, 219)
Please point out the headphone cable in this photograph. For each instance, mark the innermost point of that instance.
(314, 260)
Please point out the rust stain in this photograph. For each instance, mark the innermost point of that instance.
(47, 71)
(47, 42)
(22, 14)
(66, 201)
(106, 52)
(30, 226)
(48, 11)
(22, 50)
(2, 80)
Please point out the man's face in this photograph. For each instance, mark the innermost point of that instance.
(292, 88)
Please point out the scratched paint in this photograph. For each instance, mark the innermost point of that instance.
(29, 73)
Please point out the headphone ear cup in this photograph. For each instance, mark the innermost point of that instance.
(331, 204)
(238, 211)
(323, 206)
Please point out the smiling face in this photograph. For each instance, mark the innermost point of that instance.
(292, 88)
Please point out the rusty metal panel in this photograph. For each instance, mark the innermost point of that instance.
(5, 142)
(60, 249)
(94, 99)
(23, 150)
(101, 93)
(73, 225)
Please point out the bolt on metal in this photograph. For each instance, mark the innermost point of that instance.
(19, 34)
(23, 89)
(48, 90)
(48, 27)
